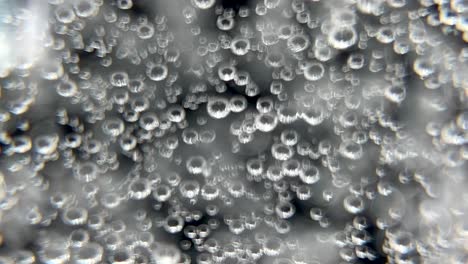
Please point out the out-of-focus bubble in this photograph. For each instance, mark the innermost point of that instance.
(75, 216)
(85, 8)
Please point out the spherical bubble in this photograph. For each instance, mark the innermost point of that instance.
(264, 104)
(342, 37)
(385, 35)
(225, 23)
(316, 214)
(128, 143)
(266, 122)
(203, 4)
(281, 151)
(176, 113)
(314, 71)
(122, 256)
(113, 127)
(353, 204)
(314, 115)
(190, 136)
(218, 107)
(254, 167)
(274, 173)
(207, 136)
(226, 72)
(291, 167)
(75, 216)
(162, 193)
(86, 171)
(85, 8)
(238, 103)
(46, 144)
(110, 200)
(157, 72)
(90, 253)
(356, 61)
(54, 254)
(67, 88)
(310, 175)
(287, 114)
(241, 78)
(395, 93)
(189, 189)
(350, 150)
(462, 120)
(285, 210)
(149, 121)
(451, 134)
(196, 164)
(423, 67)
(119, 79)
(298, 43)
(145, 31)
(303, 192)
(52, 70)
(139, 189)
(270, 38)
(174, 224)
(65, 14)
(272, 246)
(240, 46)
(274, 59)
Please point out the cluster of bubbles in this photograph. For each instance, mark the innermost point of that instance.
(290, 132)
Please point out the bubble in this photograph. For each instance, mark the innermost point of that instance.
(119, 79)
(149, 121)
(314, 71)
(75, 216)
(451, 134)
(86, 171)
(85, 8)
(22, 144)
(356, 61)
(157, 72)
(65, 14)
(314, 115)
(342, 37)
(218, 107)
(462, 120)
(353, 204)
(145, 31)
(287, 114)
(226, 72)
(298, 43)
(351, 150)
(274, 173)
(291, 167)
(238, 103)
(196, 164)
(272, 246)
(113, 127)
(54, 254)
(90, 253)
(122, 256)
(423, 67)
(395, 94)
(285, 210)
(240, 46)
(385, 35)
(310, 175)
(225, 23)
(274, 59)
(254, 167)
(303, 192)
(203, 4)
(110, 200)
(189, 189)
(241, 78)
(281, 151)
(139, 189)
